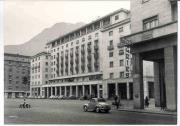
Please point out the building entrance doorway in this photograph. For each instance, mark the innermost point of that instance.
(122, 90)
(111, 91)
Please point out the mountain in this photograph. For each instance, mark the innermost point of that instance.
(38, 42)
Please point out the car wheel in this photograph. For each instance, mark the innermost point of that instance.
(97, 109)
(85, 108)
(107, 111)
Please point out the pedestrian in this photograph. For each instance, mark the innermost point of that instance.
(24, 104)
(118, 102)
(146, 102)
(163, 106)
(115, 98)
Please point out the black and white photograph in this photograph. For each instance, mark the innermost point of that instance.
(89, 62)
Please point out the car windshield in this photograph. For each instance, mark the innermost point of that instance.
(101, 100)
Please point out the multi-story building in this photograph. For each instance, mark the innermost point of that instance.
(91, 61)
(40, 73)
(16, 75)
(154, 38)
(83, 58)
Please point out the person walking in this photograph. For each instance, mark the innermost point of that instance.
(118, 102)
(146, 102)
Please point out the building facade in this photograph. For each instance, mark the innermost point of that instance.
(154, 38)
(91, 61)
(16, 75)
(40, 73)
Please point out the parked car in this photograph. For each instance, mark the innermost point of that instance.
(97, 104)
(61, 97)
(72, 97)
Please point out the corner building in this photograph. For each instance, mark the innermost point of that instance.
(40, 73)
(16, 75)
(154, 38)
(88, 61)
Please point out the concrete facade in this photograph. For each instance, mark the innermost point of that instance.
(16, 75)
(154, 38)
(40, 73)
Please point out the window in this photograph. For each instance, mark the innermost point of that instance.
(121, 29)
(116, 17)
(111, 64)
(110, 54)
(46, 57)
(121, 75)
(127, 56)
(111, 75)
(121, 52)
(46, 63)
(150, 23)
(83, 39)
(89, 37)
(111, 42)
(39, 58)
(66, 45)
(46, 69)
(46, 75)
(110, 33)
(96, 35)
(121, 62)
(77, 42)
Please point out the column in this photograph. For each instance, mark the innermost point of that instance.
(170, 57)
(47, 92)
(98, 90)
(76, 91)
(30, 92)
(60, 91)
(90, 90)
(116, 88)
(156, 85)
(55, 91)
(65, 91)
(70, 90)
(83, 89)
(138, 89)
(127, 85)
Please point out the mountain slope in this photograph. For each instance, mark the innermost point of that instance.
(37, 43)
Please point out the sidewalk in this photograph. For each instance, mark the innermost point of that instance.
(127, 105)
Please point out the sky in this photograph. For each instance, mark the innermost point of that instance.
(25, 19)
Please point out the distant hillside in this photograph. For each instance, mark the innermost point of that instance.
(37, 43)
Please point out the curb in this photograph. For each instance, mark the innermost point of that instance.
(161, 113)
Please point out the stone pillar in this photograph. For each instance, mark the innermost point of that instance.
(60, 91)
(65, 91)
(138, 81)
(70, 90)
(83, 89)
(76, 91)
(156, 85)
(30, 92)
(55, 91)
(47, 92)
(98, 90)
(116, 89)
(90, 90)
(170, 57)
(128, 95)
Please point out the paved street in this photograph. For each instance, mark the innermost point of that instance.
(71, 112)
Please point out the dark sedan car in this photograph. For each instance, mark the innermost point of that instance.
(97, 104)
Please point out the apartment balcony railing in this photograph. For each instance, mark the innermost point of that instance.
(111, 47)
(82, 51)
(83, 59)
(71, 54)
(96, 55)
(77, 60)
(71, 62)
(89, 57)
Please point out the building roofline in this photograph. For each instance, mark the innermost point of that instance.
(40, 53)
(16, 55)
(110, 14)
